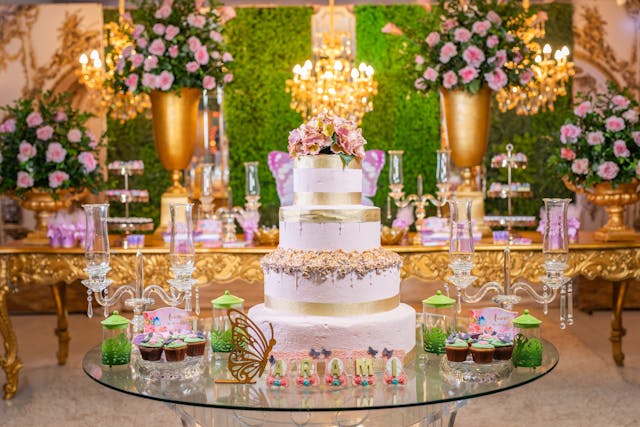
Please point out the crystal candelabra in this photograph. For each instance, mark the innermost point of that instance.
(419, 200)
(555, 256)
(97, 259)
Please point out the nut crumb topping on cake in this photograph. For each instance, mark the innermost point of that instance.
(319, 265)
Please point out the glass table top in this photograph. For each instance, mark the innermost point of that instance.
(425, 386)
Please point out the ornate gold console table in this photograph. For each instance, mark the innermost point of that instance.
(22, 268)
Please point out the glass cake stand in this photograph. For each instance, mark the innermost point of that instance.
(426, 399)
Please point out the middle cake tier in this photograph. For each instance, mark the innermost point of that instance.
(331, 282)
(350, 227)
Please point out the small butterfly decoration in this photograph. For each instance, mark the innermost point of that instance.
(326, 353)
(387, 353)
(372, 352)
(313, 353)
(281, 167)
(251, 349)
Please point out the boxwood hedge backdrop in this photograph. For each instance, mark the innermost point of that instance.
(268, 42)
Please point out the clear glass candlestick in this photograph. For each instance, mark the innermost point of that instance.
(96, 242)
(396, 176)
(252, 179)
(461, 246)
(555, 242)
(181, 249)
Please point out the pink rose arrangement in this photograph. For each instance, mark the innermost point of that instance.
(45, 145)
(175, 44)
(477, 45)
(326, 134)
(601, 140)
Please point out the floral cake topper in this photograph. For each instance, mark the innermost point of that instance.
(326, 134)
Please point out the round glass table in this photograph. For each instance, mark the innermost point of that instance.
(428, 398)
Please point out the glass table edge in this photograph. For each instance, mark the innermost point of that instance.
(327, 409)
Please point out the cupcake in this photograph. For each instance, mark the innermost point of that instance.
(175, 350)
(195, 344)
(151, 348)
(503, 348)
(482, 352)
(456, 350)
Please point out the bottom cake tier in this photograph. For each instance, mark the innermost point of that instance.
(394, 330)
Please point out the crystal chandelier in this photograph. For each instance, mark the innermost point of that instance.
(330, 81)
(96, 75)
(550, 74)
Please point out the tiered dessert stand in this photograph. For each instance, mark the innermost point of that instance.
(128, 224)
(509, 160)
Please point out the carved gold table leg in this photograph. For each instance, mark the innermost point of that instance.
(617, 331)
(62, 331)
(10, 362)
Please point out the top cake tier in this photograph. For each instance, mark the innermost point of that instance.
(326, 180)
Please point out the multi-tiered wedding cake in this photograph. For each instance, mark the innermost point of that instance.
(329, 284)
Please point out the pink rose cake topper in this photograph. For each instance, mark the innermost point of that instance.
(326, 134)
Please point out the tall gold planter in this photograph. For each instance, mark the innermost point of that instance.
(466, 118)
(174, 130)
(467, 125)
(44, 205)
(613, 200)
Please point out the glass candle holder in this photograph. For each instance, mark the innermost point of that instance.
(252, 179)
(96, 242)
(461, 245)
(438, 322)
(396, 177)
(555, 239)
(116, 340)
(527, 348)
(443, 166)
(181, 248)
(221, 329)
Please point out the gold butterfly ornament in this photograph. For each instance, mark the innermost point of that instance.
(251, 349)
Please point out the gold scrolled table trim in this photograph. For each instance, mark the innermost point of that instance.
(306, 198)
(325, 161)
(23, 268)
(330, 215)
(331, 309)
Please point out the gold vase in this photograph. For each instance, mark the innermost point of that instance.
(466, 119)
(43, 204)
(174, 131)
(613, 200)
(175, 118)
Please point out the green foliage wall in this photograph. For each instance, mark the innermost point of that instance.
(536, 135)
(401, 119)
(266, 43)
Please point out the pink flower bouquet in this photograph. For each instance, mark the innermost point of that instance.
(601, 140)
(175, 44)
(325, 134)
(45, 145)
(477, 45)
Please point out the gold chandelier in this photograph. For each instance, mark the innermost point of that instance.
(96, 74)
(550, 74)
(330, 82)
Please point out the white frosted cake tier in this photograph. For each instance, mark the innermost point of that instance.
(394, 330)
(348, 236)
(327, 180)
(379, 291)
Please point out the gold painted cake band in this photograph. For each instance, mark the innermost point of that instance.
(331, 309)
(325, 161)
(330, 215)
(306, 198)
